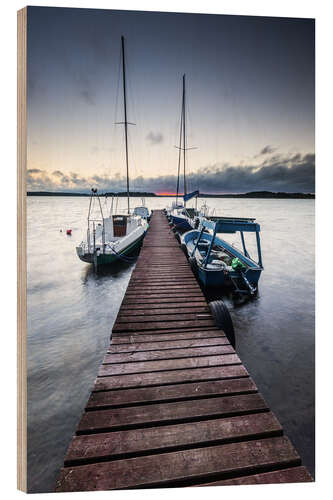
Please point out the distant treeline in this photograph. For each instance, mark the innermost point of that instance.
(253, 194)
(260, 194)
(56, 193)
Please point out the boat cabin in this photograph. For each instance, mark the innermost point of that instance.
(141, 212)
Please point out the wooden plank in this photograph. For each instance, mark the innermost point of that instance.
(181, 467)
(146, 275)
(170, 377)
(148, 279)
(169, 335)
(183, 294)
(147, 272)
(142, 308)
(167, 365)
(156, 288)
(177, 392)
(171, 264)
(176, 300)
(161, 354)
(166, 312)
(168, 345)
(137, 335)
(163, 325)
(293, 475)
(150, 318)
(157, 414)
(136, 442)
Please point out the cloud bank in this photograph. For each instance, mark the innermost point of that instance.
(289, 173)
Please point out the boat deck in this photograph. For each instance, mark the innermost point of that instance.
(172, 404)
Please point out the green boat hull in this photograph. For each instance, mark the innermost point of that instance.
(109, 259)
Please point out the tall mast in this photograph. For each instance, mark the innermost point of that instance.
(184, 136)
(125, 120)
(180, 151)
(182, 142)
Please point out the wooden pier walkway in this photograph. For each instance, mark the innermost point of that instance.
(173, 404)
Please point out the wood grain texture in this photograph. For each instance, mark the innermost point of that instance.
(87, 448)
(165, 354)
(293, 475)
(173, 334)
(169, 393)
(163, 365)
(162, 325)
(169, 377)
(157, 414)
(137, 347)
(182, 467)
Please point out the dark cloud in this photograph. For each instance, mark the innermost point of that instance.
(156, 138)
(293, 173)
(34, 171)
(57, 173)
(267, 150)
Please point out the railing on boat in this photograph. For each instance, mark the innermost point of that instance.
(230, 225)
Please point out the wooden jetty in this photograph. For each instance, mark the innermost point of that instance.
(173, 404)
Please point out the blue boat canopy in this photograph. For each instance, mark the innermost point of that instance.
(232, 225)
(191, 195)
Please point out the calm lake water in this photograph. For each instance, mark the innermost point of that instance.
(71, 312)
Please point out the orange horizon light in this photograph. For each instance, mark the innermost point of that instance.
(164, 193)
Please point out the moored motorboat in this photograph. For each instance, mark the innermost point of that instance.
(219, 264)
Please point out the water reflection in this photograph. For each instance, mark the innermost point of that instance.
(114, 271)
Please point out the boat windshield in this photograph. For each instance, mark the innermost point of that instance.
(141, 211)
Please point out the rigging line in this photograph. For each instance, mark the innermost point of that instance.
(133, 160)
(180, 151)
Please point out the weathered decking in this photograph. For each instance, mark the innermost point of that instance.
(172, 404)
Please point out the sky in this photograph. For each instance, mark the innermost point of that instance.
(249, 92)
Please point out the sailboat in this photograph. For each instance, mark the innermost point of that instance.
(113, 238)
(179, 215)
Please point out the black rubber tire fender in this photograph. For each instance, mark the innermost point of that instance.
(184, 248)
(223, 320)
(193, 264)
(177, 236)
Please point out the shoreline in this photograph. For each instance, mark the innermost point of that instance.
(251, 195)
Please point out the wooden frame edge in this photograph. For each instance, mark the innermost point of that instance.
(21, 250)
